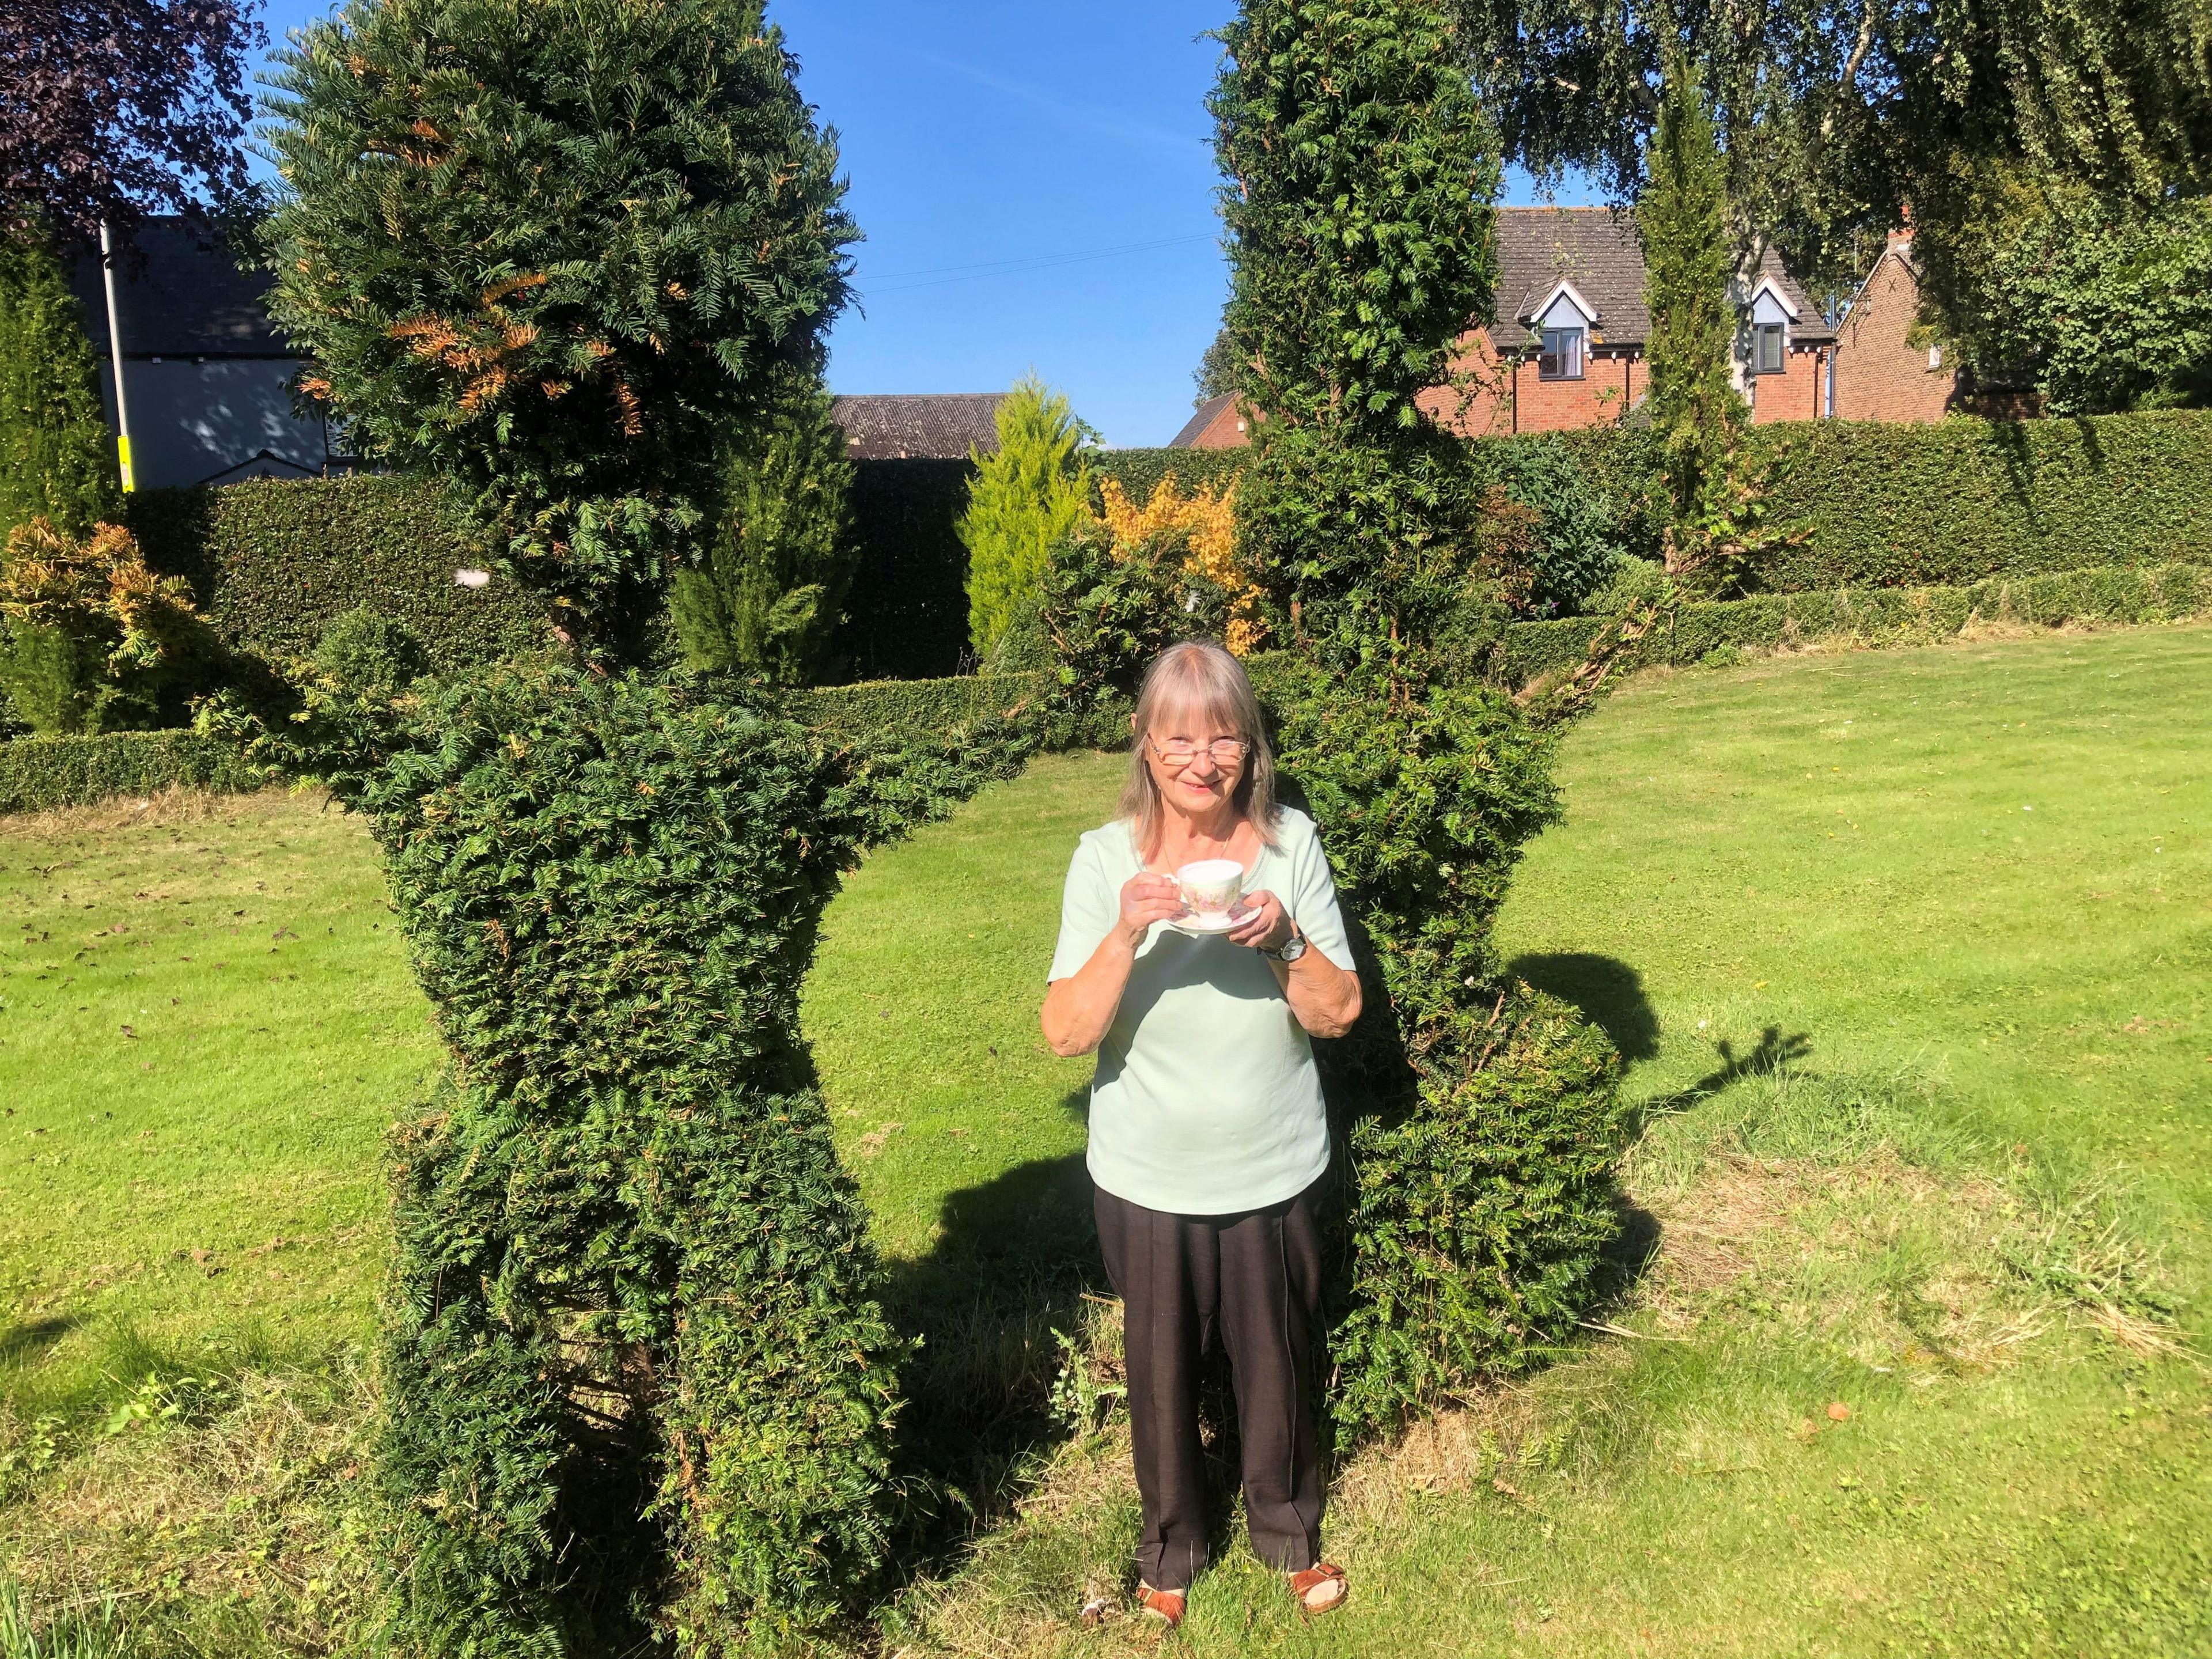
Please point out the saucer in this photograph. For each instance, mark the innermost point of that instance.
(1201, 925)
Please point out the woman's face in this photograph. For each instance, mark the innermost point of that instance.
(1191, 777)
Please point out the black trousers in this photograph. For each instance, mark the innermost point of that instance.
(1253, 1281)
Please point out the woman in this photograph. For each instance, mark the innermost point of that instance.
(1209, 1145)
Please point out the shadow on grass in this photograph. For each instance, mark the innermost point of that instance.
(26, 1342)
(1630, 1255)
(1013, 1259)
(1607, 990)
(1771, 1054)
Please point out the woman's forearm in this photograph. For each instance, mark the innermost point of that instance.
(1079, 1009)
(1324, 996)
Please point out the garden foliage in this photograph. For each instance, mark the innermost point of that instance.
(94, 641)
(554, 252)
(273, 562)
(57, 458)
(768, 593)
(1026, 498)
(2101, 303)
(636, 1373)
(1478, 1124)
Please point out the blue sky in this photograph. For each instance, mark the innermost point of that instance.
(1036, 180)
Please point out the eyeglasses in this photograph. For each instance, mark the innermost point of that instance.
(1226, 751)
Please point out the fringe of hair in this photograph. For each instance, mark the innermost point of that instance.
(1201, 675)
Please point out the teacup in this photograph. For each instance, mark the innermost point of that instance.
(1211, 887)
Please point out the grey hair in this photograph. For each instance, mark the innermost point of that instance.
(1200, 675)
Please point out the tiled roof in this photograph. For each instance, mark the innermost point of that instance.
(918, 426)
(1595, 248)
(1200, 418)
(188, 298)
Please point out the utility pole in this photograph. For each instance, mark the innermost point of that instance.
(115, 358)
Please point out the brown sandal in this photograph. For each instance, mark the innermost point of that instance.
(1166, 1606)
(1303, 1584)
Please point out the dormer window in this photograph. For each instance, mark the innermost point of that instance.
(1561, 358)
(1769, 348)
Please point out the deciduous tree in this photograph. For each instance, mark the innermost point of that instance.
(111, 109)
(1830, 112)
(2098, 303)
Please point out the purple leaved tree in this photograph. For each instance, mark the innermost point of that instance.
(111, 109)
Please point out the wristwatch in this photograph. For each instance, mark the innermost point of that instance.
(1291, 949)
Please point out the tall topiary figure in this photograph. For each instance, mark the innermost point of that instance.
(766, 599)
(555, 248)
(1478, 1121)
(57, 460)
(1359, 171)
(637, 1384)
(1027, 496)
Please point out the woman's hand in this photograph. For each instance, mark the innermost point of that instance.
(1266, 925)
(1147, 898)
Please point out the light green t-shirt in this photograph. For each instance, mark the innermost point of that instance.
(1205, 1101)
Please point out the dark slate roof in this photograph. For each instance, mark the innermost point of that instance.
(1200, 418)
(918, 426)
(1595, 249)
(188, 299)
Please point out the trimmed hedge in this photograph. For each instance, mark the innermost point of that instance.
(1911, 506)
(274, 562)
(1872, 616)
(39, 774)
(1898, 505)
(1139, 472)
(906, 613)
(936, 705)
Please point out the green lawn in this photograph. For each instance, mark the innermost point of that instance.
(206, 1023)
(1909, 952)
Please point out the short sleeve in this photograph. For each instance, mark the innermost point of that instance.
(1313, 901)
(1088, 908)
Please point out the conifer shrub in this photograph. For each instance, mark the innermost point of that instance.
(1026, 498)
(91, 640)
(769, 591)
(57, 460)
(552, 251)
(636, 1375)
(1478, 1122)
(1477, 1125)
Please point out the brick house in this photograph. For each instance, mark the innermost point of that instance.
(1217, 424)
(1565, 345)
(1880, 374)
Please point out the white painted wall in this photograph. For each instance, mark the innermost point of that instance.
(191, 420)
